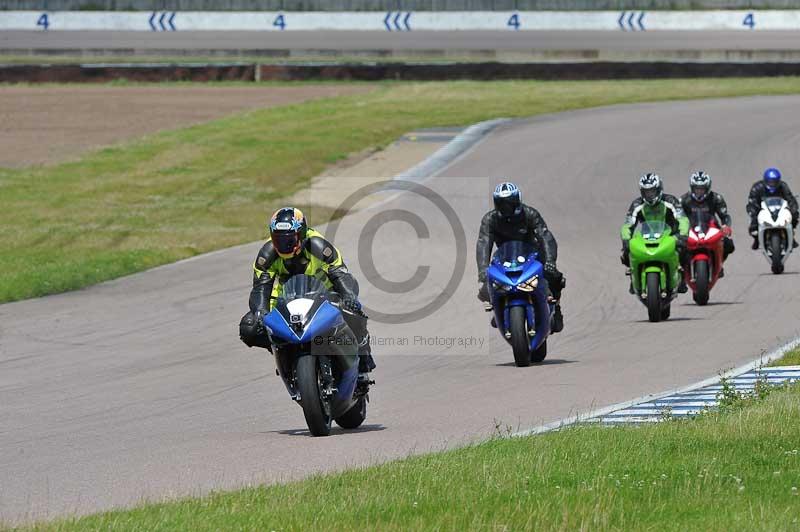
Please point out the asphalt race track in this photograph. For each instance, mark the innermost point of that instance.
(615, 41)
(139, 388)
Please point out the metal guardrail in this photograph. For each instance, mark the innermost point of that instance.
(383, 71)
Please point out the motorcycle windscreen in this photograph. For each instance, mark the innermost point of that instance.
(774, 203)
(514, 254)
(652, 230)
(301, 286)
(700, 220)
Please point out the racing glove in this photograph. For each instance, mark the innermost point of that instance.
(550, 269)
(258, 317)
(727, 231)
(351, 305)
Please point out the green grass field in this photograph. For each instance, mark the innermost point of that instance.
(738, 469)
(179, 193)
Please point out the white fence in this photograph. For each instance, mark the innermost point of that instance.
(401, 21)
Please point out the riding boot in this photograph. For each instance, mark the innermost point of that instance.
(365, 361)
(558, 320)
(755, 242)
(682, 286)
(358, 324)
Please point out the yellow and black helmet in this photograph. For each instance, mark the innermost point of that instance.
(287, 229)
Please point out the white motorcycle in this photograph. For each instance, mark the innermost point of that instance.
(775, 232)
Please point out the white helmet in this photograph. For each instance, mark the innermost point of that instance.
(651, 188)
(699, 185)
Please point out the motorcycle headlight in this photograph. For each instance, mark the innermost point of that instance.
(500, 288)
(529, 285)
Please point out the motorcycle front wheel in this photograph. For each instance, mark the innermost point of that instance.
(701, 279)
(654, 296)
(520, 342)
(309, 384)
(776, 247)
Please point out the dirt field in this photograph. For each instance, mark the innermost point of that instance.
(42, 125)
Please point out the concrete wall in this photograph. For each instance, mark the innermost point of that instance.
(761, 20)
(387, 5)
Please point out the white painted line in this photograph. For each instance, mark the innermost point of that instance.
(451, 151)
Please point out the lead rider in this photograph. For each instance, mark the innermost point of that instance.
(513, 220)
(294, 249)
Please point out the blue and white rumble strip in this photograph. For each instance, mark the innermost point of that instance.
(691, 403)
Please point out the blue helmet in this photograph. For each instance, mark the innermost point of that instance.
(772, 178)
(507, 199)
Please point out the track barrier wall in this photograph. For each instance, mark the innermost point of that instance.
(400, 21)
(388, 5)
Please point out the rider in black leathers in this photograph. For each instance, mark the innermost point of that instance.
(701, 198)
(513, 220)
(770, 185)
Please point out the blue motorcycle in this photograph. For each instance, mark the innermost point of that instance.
(316, 355)
(518, 294)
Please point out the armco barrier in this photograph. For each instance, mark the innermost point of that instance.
(508, 71)
(393, 71)
(400, 21)
(106, 73)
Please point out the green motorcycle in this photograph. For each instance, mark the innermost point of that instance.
(655, 268)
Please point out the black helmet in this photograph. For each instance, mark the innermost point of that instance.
(651, 188)
(507, 199)
(288, 229)
(699, 185)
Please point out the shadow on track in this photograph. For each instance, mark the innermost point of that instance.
(335, 431)
(712, 304)
(682, 318)
(545, 362)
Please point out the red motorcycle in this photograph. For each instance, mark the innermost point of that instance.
(705, 245)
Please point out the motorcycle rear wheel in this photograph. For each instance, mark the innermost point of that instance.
(353, 418)
(309, 385)
(520, 341)
(776, 247)
(539, 353)
(702, 280)
(654, 297)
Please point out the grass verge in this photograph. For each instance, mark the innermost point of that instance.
(738, 469)
(792, 358)
(179, 193)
